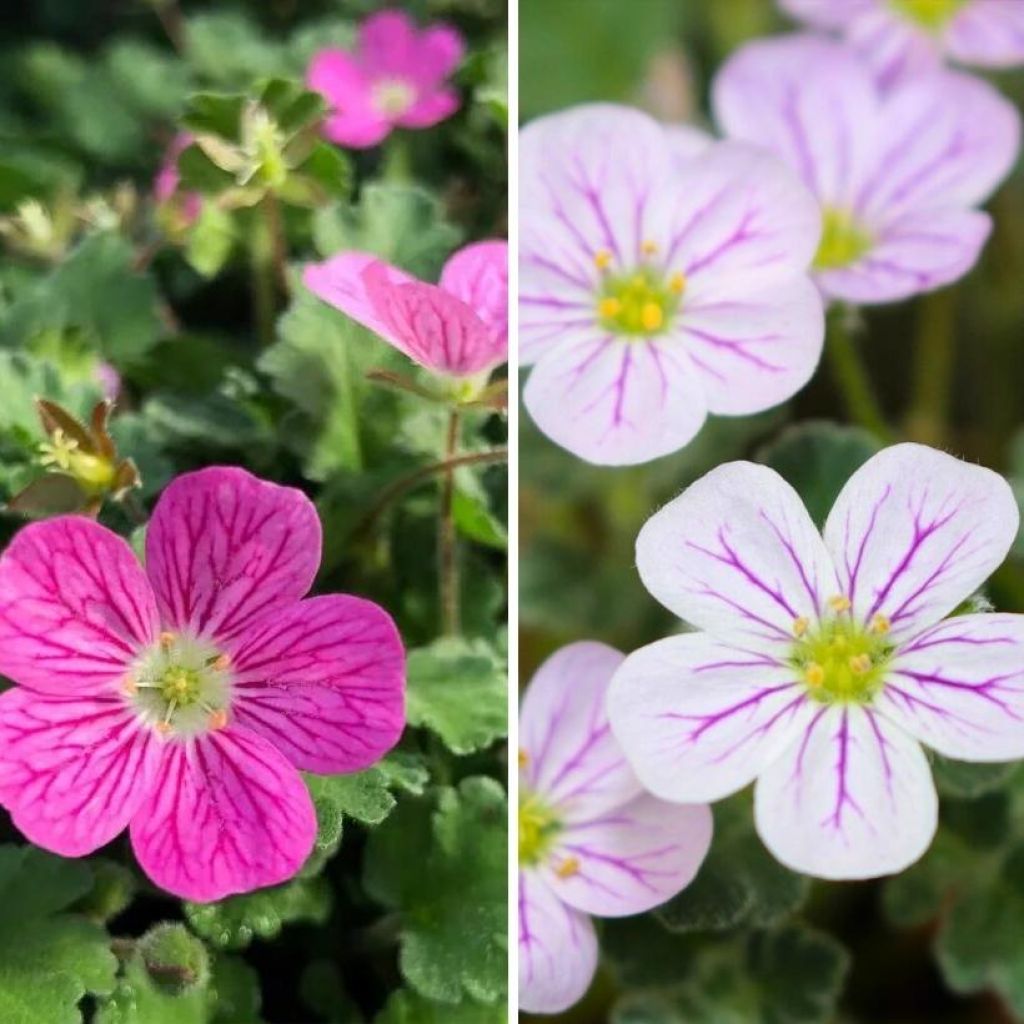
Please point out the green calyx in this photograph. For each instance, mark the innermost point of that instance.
(843, 241)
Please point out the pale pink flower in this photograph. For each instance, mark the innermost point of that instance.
(167, 183)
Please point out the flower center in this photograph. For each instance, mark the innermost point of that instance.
(94, 473)
(843, 241)
(181, 686)
(842, 661)
(538, 826)
(933, 15)
(393, 97)
(640, 302)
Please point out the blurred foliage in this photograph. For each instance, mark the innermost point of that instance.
(748, 941)
(197, 317)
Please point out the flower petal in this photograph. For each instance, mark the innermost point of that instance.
(851, 798)
(699, 719)
(75, 607)
(227, 814)
(225, 548)
(388, 44)
(571, 757)
(353, 120)
(324, 681)
(478, 275)
(430, 109)
(825, 14)
(616, 402)
(439, 51)
(630, 859)
(987, 33)
(73, 772)
(685, 141)
(737, 554)
(915, 531)
(557, 949)
(959, 687)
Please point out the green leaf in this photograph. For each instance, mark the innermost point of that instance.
(200, 174)
(137, 1001)
(474, 520)
(961, 779)
(329, 168)
(227, 48)
(458, 690)
(216, 420)
(323, 991)
(405, 1007)
(210, 240)
(452, 894)
(817, 458)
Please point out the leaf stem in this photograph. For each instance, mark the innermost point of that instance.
(448, 563)
(852, 377)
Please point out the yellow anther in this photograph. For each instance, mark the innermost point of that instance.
(839, 603)
(814, 674)
(649, 248)
(219, 719)
(602, 259)
(860, 664)
(569, 867)
(652, 316)
(524, 758)
(801, 625)
(609, 307)
(129, 687)
(222, 662)
(677, 284)
(163, 728)
(880, 624)
(167, 640)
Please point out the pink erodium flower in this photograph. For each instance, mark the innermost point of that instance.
(824, 663)
(167, 182)
(591, 841)
(906, 37)
(663, 277)
(395, 79)
(181, 701)
(898, 173)
(458, 328)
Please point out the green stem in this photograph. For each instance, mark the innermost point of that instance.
(934, 358)
(261, 265)
(448, 564)
(852, 378)
(278, 245)
(397, 160)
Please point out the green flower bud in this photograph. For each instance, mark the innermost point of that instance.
(176, 961)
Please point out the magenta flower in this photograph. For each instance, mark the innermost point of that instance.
(458, 328)
(898, 173)
(663, 277)
(167, 183)
(905, 37)
(590, 840)
(394, 79)
(182, 700)
(823, 664)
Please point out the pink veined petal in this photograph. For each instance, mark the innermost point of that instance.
(987, 33)
(755, 350)
(439, 52)
(227, 814)
(917, 252)
(851, 798)
(477, 274)
(959, 687)
(324, 681)
(73, 772)
(75, 607)
(629, 859)
(737, 554)
(557, 949)
(896, 47)
(572, 759)
(224, 549)
(699, 719)
(353, 121)
(686, 141)
(616, 402)
(388, 44)
(915, 531)
(430, 109)
(810, 101)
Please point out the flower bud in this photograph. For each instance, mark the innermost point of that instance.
(176, 961)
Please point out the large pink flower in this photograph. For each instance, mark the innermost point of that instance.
(591, 841)
(183, 700)
(394, 78)
(458, 328)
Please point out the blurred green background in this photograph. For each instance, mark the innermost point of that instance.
(945, 941)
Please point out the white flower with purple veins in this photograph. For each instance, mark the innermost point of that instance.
(898, 172)
(903, 37)
(590, 840)
(663, 277)
(823, 663)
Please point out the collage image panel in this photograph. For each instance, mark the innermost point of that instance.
(771, 581)
(254, 512)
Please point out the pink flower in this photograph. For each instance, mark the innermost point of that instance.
(395, 78)
(167, 182)
(904, 37)
(182, 700)
(458, 328)
(591, 841)
(898, 173)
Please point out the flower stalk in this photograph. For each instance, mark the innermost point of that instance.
(448, 564)
(851, 376)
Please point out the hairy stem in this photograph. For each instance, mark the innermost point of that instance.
(448, 564)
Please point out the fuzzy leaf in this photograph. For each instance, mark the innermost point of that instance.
(406, 1007)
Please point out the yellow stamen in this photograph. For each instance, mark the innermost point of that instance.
(860, 665)
(609, 307)
(129, 687)
(524, 758)
(652, 316)
(801, 625)
(839, 603)
(219, 719)
(167, 640)
(222, 662)
(569, 867)
(880, 624)
(163, 728)
(814, 674)
(602, 259)
(677, 284)
(649, 248)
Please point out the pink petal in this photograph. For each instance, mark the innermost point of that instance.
(851, 798)
(826, 13)
(478, 275)
(227, 814)
(959, 688)
(687, 142)
(557, 949)
(896, 47)
(571, 757)
(354, 120)
(75, 607)
(987, 33)
(915, 531)
(323, 680)
(388, 44)
(616, 402)
(630, 859)
(225, 548)
(439, 52)
(737, 554)
(699, 720)
(429, 109)
(73, 772)
(357, 129)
